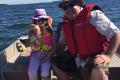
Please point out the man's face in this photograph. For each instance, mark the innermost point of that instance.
(72, 11)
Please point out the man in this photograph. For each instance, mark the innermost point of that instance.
(90, 37)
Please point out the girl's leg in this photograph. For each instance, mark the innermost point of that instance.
(45, 66)
(45, 70)
(33, 67)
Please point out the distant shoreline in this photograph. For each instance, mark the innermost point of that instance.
(29, 3)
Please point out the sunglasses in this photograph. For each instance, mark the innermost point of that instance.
(70, 5)
(42, 20)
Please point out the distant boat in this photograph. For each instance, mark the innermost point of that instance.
(14, 62)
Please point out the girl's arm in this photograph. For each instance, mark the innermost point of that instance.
(52, 50)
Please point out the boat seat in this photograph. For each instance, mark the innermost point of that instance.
(114, 70)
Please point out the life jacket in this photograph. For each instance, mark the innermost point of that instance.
(82, 37)
(47, 42)
(41, 43)
(36, 43)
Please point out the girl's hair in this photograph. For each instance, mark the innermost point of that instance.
(49, 30)
(32, 25)
(34, 21)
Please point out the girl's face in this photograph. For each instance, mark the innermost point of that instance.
(42, 23)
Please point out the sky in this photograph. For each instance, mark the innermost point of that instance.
(10, 2)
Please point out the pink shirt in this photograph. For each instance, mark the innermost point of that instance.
(47, 39)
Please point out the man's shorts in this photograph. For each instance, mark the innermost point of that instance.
(90, 65)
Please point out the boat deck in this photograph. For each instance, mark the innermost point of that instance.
(14, 62)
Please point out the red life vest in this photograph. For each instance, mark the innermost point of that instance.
(82, 37)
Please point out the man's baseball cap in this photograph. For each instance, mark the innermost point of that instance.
(67, 2)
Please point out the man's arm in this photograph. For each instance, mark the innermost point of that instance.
(106, 57)
(104, 26)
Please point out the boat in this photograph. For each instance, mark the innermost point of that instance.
(14, 62)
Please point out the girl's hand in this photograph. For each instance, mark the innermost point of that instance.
(45, 59)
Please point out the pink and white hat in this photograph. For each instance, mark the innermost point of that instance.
(39, 13)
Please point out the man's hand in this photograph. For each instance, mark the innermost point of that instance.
(102, 58)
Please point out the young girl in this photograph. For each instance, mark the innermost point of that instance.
(40, 36)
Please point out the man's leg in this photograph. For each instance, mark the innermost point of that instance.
(98, 74)
(60, 74)
(97, 71)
